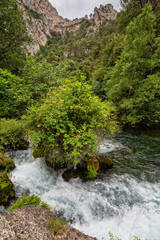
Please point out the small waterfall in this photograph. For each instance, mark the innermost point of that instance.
(122, 203)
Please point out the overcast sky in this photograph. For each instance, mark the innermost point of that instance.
(79, 8)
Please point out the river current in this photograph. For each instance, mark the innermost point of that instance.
(125, 200)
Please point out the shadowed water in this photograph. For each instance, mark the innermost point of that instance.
(124, 200)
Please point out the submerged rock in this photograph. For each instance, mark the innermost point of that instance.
(6, 190)
(32, 222)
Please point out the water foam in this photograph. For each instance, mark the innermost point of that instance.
(120, 204)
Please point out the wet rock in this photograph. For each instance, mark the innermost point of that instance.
(105, 163)
(31, 222)
(6, 190)
(21, 144)
(99, 162)
(38, 152)
(81, 169)
(56, 158)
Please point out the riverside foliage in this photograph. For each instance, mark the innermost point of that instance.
(72, 119)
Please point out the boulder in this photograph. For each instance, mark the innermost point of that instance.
(105, 163)
(6, 190)
(88, 168)
(38, 152)
(6, 163)
(32, 222)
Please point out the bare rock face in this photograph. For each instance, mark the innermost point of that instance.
(43, 20)
(31, 222)
(106, 12)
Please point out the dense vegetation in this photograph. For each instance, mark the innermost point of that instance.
(28, 200)
(67, 96)
(77, 89)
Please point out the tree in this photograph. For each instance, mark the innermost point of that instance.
(13, 35)
(141, 3)
(14, 95)
(131, 84)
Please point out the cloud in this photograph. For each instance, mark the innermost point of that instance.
(79, 8)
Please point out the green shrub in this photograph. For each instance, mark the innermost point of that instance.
(72, 119)
(12, 134)
(57, 225)
(6, 190)
(112, 237)
(38, 77)
(28, 200)
(91, 171)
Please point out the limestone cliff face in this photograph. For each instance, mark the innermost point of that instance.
(106, 12)
(43, 20)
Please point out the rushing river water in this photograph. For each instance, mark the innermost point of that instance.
(125, 200)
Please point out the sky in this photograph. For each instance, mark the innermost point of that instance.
(79, 8)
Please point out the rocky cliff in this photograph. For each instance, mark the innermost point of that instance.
(43, 20)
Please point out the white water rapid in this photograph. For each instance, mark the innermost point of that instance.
(121, 204)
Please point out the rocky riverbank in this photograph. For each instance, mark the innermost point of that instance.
(31, 222)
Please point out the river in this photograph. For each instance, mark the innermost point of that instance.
(125, 200)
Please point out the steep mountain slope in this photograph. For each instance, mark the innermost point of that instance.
(42, 20)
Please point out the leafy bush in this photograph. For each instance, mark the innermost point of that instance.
(38, 77)
(71, 119)
(91, 171)
(28, 200)
(12, 134)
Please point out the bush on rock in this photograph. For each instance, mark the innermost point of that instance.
(70, 120)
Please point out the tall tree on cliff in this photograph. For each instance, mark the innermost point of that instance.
(12, 35)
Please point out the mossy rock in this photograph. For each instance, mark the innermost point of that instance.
(88, 168)
(22, 145)
(82, 170)
(2, 149)
(56, 158)
(6, 163)
(6, 190)
(38, 152)
(93, 162)
(105, 163)
(19, 145)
